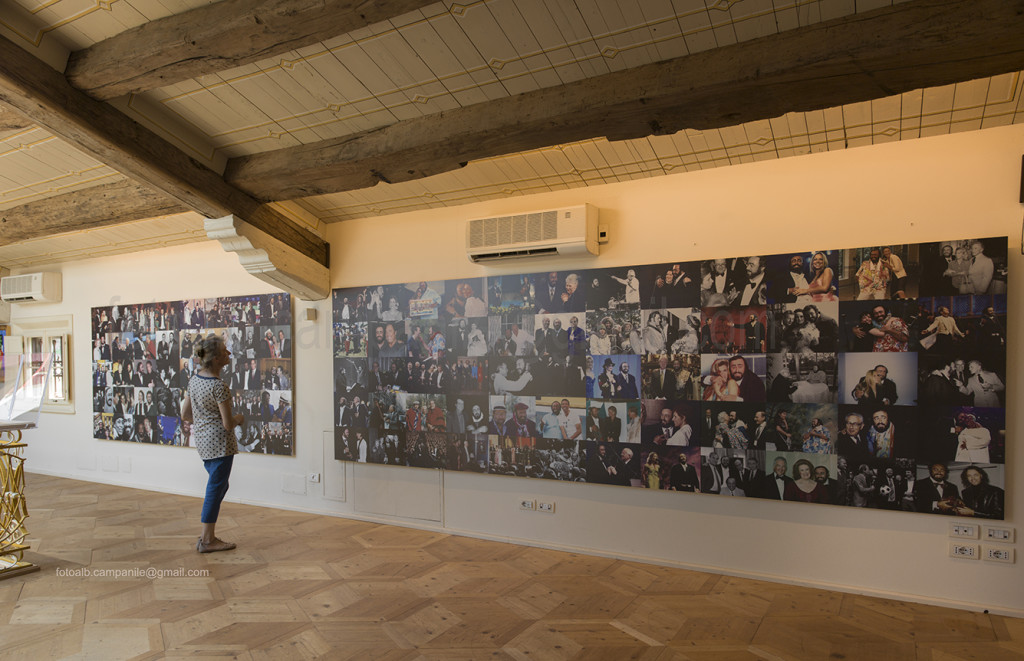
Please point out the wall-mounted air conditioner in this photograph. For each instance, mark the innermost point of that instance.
(560, 232)
(45, 287)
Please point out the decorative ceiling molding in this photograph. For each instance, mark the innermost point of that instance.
(270, 260)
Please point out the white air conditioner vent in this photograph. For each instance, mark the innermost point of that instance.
(42, 287)
(563, 232)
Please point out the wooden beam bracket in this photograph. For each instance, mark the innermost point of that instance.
(269, 259)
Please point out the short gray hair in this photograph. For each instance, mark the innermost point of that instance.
(206, 349)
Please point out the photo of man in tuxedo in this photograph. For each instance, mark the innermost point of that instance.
(773, 486)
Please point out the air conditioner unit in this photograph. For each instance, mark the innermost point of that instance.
(45, 287)
(561, 232)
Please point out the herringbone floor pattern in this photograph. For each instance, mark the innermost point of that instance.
(302, 586)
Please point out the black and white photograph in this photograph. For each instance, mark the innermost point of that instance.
(803, 377)
(674, 330)
(797, 327)
(613, 289)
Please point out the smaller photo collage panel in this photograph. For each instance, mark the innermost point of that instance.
(142, 362)
(868, 377)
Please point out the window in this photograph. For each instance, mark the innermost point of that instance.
(36, 337)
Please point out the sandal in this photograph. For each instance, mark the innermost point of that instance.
(213, 546)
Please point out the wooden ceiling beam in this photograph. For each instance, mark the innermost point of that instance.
(217, 37)
(912, 45)
(100, 206)
(12, 121)
(42, 95)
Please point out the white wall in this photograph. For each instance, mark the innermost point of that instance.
(944, 187)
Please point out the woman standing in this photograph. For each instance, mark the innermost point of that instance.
(208, 407)
(651, 472)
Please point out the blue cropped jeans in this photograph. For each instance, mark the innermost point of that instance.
(217, 486)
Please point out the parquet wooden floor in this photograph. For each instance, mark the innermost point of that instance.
(303, 586)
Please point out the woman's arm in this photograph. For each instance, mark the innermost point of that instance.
(186, 408)
(227, 419)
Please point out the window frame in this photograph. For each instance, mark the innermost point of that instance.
(46, 330)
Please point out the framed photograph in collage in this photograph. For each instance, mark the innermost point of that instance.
(143, 360)
(858, 377)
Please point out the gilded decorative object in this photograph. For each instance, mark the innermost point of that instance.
(13, 509)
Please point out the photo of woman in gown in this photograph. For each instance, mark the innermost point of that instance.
(651, 472)
(476, 345)
(819, 287)
(804, 488)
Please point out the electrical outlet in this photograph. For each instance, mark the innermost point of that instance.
(963, 530)
(966, 551)
(547, 508)
(997, 554)
(314, 478)
(998, 534)
(528, 505)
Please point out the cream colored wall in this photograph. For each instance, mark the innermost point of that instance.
(950, 186)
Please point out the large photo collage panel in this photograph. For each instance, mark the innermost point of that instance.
(142, 361)
(866, 377)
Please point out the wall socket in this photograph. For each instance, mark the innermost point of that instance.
(998, 534)
(547, 508)
(966, 551)
(527, 505)
(997, 554)
(963, 530)
(314, 478)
